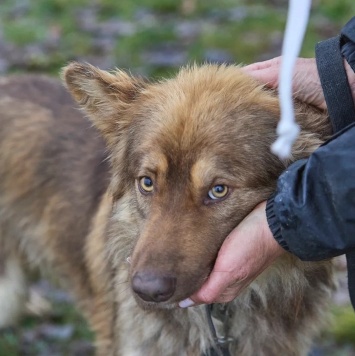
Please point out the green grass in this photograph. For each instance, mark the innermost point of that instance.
(342, 328)
(245, 40)
(12, 340)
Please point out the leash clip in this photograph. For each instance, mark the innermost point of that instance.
(220, 335)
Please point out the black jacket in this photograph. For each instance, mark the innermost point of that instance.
(312, 213)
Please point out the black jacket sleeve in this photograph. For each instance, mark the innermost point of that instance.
(330, 57)
(312, 213)
(347, 42)
(313, 210)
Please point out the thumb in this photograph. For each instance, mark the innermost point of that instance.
(209, 292)
(219, 279)
(215, 285)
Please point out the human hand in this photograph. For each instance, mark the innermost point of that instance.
(248, 250)
(306, 82)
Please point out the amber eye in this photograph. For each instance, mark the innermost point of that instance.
(145, 185)
(218, 191)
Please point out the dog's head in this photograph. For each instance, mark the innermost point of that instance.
(193, 153)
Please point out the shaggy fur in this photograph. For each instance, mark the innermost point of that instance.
(72, 202)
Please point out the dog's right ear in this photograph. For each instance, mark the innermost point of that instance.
(104, 96)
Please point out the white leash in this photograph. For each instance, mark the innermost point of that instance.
(287, 129)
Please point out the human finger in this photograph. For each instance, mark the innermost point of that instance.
(270, 63)
(265, 72)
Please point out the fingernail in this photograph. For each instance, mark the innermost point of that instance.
(186, 303)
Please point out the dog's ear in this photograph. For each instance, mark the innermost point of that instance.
(104, 96)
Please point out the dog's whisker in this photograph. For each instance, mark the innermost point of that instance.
(122, 266)
(123, 291)
(123, 282)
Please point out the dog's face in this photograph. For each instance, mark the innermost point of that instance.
(193, 155)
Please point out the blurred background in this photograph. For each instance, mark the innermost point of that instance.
(152, 38)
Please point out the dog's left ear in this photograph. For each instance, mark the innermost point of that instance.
(103, 95)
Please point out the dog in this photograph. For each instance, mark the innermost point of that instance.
(129, 208)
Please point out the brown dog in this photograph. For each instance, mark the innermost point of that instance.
(184, 161)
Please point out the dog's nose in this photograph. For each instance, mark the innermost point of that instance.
(153, 287)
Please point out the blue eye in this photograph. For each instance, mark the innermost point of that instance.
(218, 191)
(145, 185)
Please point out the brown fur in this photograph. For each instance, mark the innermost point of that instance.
(60, 207)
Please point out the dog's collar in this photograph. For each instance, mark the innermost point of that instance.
(221, 338)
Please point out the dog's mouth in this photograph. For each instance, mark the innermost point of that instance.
(155, 305)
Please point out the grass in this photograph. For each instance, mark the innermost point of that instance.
(14, 342)
(245, 38)
(342, 328)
